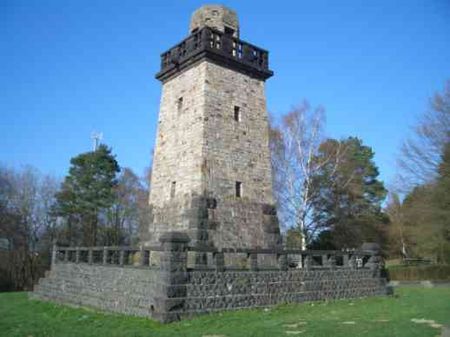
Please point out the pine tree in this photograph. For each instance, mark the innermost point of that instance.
(86, 192)
(347, 203)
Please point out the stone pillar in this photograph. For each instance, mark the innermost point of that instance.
(283, 261)
(307, 261)
(325, 262)
(54, 252)
(373, 264)
(219, 261)
(346, 260)
(173, 273)
(141, 256)
(253, 261)
(121, 257)
(90, 256)
(352, 261)
(105, 256)
(332, 261)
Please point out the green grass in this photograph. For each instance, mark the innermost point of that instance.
(381, 316)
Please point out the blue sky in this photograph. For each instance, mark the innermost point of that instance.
(70, 67)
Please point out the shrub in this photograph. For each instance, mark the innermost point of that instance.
(417, 273)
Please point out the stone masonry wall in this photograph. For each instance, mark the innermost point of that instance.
(130, 291)
(173, 291)
(202, 151)
(238, 151)
(134, 291)
(215, 16)
(178, 154)
(179, 143)
(212, 291)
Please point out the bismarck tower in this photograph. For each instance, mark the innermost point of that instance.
(211, 175)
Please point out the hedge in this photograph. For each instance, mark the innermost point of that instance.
(419, 273)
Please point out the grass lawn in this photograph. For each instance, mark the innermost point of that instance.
(401, 315)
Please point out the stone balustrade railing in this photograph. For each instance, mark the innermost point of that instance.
(218, 46)
(285, 258)
(168, 282)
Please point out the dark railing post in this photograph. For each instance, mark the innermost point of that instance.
(352, 261)
(253, 261)
(374, 264)
(332, 261)
(77, 254)
(54, 254)
(141, 256)
(219, 261)
(307, 261)
(105, 256)
(282, 261)
(345, 260)
(121, 257)
(173, 269)
(325, 262)
(90, 255)
(66, 255)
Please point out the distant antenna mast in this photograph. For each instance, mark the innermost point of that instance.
(96, 138)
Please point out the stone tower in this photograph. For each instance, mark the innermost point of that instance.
(211, 175)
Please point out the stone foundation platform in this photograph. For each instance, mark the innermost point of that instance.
(120, 279)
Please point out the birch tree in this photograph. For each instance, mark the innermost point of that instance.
(294, 146)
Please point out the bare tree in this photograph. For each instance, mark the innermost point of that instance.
(421, 153)
(397, 230)
(294, 146)
(26, 200)
(126, 214)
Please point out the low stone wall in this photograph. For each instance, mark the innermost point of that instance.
(171, 291)
(210, 291)
(124, 290)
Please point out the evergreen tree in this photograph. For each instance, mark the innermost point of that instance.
(86, 192)
(347, 203)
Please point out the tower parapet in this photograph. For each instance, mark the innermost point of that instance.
(218, 47)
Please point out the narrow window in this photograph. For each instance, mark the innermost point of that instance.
(229, 31)
(238, 189)
(172, 189)
(180, 105)
(237, 113)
